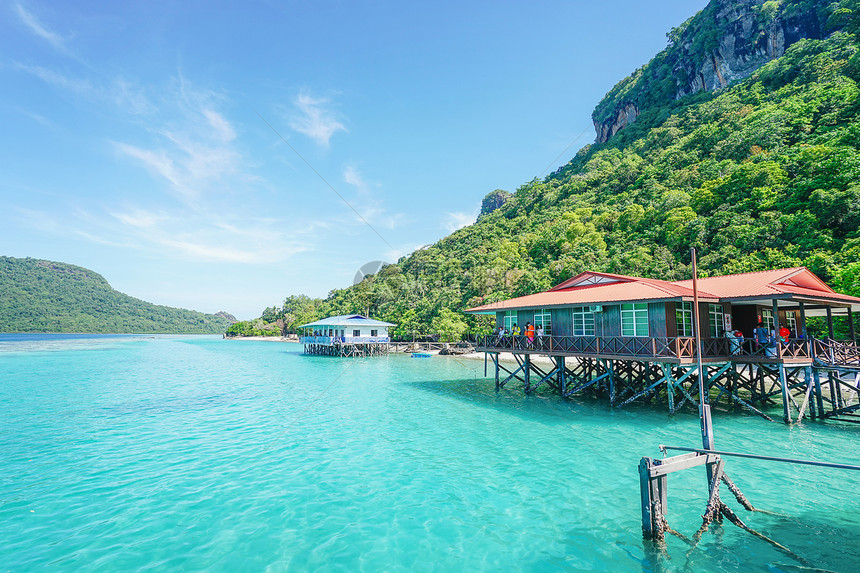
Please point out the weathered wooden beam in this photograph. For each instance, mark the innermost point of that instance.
(681, 462)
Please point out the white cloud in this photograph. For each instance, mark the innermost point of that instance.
(29, 19)
(354, 178)
(195, 154)
(316, 119)
(222, 127)
(458, 220)
(128, 97)
(181, 236)
(368, 201)
(397, 252)
(140, 218)
(76, 86)
(200, 251)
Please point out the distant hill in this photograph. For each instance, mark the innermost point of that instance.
(46, 296)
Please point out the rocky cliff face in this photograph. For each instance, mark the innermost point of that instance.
(727, 41)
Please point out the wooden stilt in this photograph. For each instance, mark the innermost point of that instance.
(528, 372)
(786, 413)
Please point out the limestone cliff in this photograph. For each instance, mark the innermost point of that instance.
(726, 41)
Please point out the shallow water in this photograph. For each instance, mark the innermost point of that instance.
(195, 453)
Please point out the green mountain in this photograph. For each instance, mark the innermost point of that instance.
(759, 169)
(44, 296)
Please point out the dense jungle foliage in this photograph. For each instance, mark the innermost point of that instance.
(763, 174)
(44, 296)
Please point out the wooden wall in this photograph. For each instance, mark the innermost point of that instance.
(562, 323)
(525, 316)
(608, 322)
(657, 319)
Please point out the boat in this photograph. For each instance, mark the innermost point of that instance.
(421, 355)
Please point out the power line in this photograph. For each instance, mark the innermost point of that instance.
(575, 139)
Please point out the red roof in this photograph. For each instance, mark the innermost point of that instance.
(601, 288)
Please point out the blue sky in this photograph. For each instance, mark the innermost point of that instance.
(136, 136)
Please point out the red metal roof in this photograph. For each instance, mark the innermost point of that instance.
(626, 289)
(601, 288)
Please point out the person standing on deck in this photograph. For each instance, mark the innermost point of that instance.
(760, 335)
(530, 332)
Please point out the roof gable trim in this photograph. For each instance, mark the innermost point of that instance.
(588, 279)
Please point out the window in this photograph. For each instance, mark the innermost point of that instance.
(791, 321)
(634, 319)
(510, 319)
(684, 318)
(715, 316)
(583, 321)
(374, 333)
(544, 319)
(356, 333)
(767, 319)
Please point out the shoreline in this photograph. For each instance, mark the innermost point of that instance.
(503, 356)
(266, 338)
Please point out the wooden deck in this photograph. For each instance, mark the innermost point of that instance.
(815, 377)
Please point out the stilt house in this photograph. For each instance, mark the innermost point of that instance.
(346, 335)
(621, 315)
(633, 337)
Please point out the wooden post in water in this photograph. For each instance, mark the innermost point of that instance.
(653, 499)
(528, 368)
(783, 382)
(704, 407)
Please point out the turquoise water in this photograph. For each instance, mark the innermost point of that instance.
(195, 453)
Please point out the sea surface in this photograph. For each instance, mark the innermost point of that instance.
(192, 453)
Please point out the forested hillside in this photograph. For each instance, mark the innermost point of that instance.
(44, 296)
(764, 173)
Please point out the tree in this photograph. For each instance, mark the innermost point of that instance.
(449, 325)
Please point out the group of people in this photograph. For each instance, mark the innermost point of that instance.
(529, 331)
(762, 338)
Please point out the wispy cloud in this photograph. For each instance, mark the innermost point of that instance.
(397, 252)
(30, 20)
(192, 151)
(208, 238)
(315, 118)
(354, 178)
(127, 96)
(178, 236)
(458, 219)
(76, 86)
(368, 200)
(223, 130)
(124, 96)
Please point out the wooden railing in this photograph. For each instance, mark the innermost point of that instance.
(681, 347)
(327, 340)
(835, 352)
